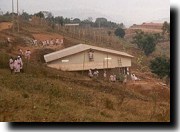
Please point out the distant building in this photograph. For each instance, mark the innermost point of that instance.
(83, 57)
(148, 27)
(71, 24)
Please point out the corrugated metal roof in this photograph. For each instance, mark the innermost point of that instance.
(79, 48)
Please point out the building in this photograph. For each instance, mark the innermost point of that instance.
(83, 57)
(148, 27)
(71, 24)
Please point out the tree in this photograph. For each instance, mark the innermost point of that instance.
(25, 16)
(146, 42)
(119, 32)
(109, 33)
(39, 14)
(101, 22)
(76, 20)
(59, 20)
(166, 28)
(160, 66)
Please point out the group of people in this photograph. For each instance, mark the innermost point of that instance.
(112, 77)
(26, 54)
(50, 42)
(93, 74)
(16, 65)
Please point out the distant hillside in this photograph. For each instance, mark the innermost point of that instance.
(161, 20)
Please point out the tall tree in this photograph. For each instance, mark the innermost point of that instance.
(146, 42)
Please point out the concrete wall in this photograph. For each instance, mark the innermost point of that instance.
(80, 61)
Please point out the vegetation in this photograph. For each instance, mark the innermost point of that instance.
(119, 32)
(44, 94)
(146, 42)
(160, 66)
(69, 97)
(166, 28)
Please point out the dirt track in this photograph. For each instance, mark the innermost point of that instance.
(5, 25)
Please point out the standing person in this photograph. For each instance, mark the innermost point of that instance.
(96, 73)
(125, 79)
(105, 74)
(111, 78)
(21, 52)
(8, 40)
(51, 42)
(28, 55)
(62, 41)
(16, 66)
(47, 42)
(132, 77)
(11, 64)
(90, 73)
(57, 41)
(114, 78)
(20, 63)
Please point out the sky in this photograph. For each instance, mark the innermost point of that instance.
(127, 11)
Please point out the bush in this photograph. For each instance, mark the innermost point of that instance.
(4, 60)
(120, 77)
(119, 32)
(160, 66)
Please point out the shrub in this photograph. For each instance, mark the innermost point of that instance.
(160, 66)
(4, 59)
(120, 78)
(120, 32)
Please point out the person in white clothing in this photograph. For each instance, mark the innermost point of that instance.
(62, 41)
(57, 41)
(111, 78)
(11, 64)
(105, 74)
(51, 42)
(16, 66)
(47, 42)
(96, 73)
(28, 55)
(90, 73)
(20, 63)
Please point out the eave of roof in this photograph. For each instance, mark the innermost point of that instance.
(79, 48)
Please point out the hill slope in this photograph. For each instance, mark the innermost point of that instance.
(44, 94)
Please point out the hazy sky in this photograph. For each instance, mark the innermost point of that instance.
(126, 11)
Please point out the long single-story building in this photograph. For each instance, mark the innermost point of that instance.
(83, 57)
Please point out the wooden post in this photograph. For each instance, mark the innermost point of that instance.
(13, 15)
(17, 16)
(107, 60)
(83, 62)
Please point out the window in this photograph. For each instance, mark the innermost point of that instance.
(91, 55)
(65, 61)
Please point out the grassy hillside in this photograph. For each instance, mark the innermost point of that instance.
(48, 95)
(44, 94)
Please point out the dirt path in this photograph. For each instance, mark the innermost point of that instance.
(5, 25)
